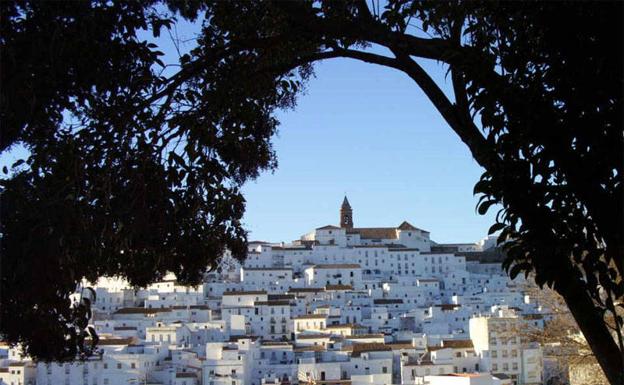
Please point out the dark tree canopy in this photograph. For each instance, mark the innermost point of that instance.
(130, 173)
(124, 159)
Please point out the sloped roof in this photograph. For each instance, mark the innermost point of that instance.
(401, 345)
(141, 310)
(277, 297)
(309, 348)
(338, 287)
(279, 302)
(337, 266)
(457, 344)
(185, 375)
(115, 341)
(369, 347)
(328, 227)
(387, 301)
(364, 336)
(406, 226)
(345, 326)
(276, 343)
(305, 289)
(310, 316)
(375, 232)
(243, 292)
(312, 336)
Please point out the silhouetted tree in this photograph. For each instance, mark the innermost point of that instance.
(130, 173)
(544, 81)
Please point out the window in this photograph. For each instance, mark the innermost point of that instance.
(384, 369)
(494, 367)
(494, 354)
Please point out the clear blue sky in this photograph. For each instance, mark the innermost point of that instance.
(369, 132)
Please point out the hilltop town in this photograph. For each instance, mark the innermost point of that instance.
(341, 305)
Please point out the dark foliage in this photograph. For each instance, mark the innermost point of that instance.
(547, 95)
(130, 173)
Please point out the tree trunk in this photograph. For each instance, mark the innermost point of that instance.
(595, 330)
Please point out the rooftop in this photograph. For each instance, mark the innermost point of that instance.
(141, 310)
(186, 375)
(338, 287)
(338, 266)
(243, 292)
(328, 227)
(311, 316)
(358, 349)
(458, 344)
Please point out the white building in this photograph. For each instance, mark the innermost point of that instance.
(341, 305)
(497, 341)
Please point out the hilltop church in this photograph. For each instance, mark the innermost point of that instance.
(405, 235)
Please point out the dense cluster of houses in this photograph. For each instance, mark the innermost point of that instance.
(342, 305)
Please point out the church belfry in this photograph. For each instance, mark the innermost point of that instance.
(346, 215)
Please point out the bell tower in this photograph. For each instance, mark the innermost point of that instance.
(346, 215)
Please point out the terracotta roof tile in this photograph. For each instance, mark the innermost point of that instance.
(310, 348)
(305, 289)
(345, 326)
(338, 287)
(406, 226)
(141, 310)
(273, 303)
(250, 292)
(185, 375)
(376, 232)
(337, 266)
(369, 347)
(311, 316)
(387, 301)
(312, 336)
(458, 344)
(328, 227)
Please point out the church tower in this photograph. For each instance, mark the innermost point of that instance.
(346, 215)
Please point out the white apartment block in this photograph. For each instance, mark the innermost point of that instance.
(342, 305)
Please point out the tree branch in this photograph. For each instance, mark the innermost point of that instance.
(465, 128)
